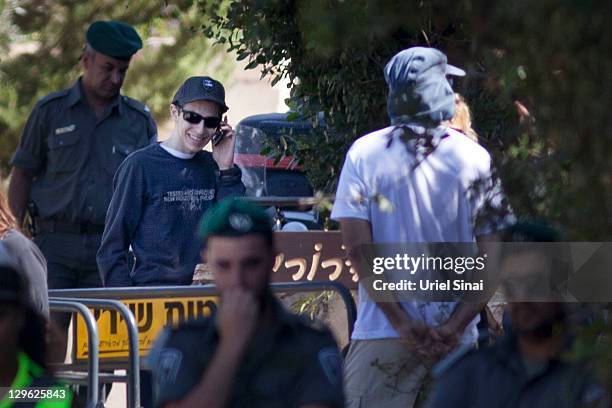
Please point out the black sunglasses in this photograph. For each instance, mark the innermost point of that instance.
(195, 118)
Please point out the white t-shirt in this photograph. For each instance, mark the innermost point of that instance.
(176, 153)
(431, 203)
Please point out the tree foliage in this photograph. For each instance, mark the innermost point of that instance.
(552, 56)
(41, 42)
(538, 83)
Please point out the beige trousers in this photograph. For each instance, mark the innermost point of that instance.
(384, 373)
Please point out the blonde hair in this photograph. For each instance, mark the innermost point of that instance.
(7, 219)
(462, 120)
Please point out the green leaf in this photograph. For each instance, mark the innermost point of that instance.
(251, 65)
(242, 55)
(293, 116)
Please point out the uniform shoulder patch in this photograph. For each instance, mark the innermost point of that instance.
(331, 363)
(168, 365)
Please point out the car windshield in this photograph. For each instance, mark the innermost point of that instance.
(261, 175)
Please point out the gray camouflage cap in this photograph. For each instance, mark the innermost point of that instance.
(419, 92)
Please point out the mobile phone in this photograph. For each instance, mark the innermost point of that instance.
(217, 137)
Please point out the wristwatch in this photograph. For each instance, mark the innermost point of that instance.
(230, 174)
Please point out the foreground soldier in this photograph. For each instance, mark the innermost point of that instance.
(526, 368)
(532, 365)
(251, 352)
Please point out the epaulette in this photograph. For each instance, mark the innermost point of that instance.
(52, 96)
(139, 106)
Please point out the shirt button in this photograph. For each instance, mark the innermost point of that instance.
(90, 208)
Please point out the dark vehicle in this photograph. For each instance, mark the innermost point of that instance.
(268, 180)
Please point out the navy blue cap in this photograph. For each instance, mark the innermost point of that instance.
(201, 88)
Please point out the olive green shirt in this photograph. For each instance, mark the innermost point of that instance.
(74, 155)
(289, 365)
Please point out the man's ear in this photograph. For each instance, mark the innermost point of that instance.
(87, 58)
(84, 61)
(174, 111)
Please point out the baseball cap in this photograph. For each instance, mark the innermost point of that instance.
(200, 88)
(419, 92)
(114, 38)
(235, 217)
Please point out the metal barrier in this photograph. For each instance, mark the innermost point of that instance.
(148, 292)
(133, 372)
(102, 297)
(69, 306)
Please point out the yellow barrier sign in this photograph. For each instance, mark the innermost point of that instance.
(151, 316)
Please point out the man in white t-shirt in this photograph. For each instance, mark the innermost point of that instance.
(410, 182)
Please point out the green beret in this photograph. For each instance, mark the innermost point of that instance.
(533, 231)
(234, 217)
(114, 38)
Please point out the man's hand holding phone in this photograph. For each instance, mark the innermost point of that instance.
(223, 143)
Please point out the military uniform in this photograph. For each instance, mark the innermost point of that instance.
(290, 364)
(73, 155)
(498, 376)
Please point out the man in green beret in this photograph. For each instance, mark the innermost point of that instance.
(71, 146)
(251, 352)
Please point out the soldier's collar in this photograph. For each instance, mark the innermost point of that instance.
(120, 102)
(76, 95)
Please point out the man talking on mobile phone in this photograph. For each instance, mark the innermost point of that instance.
(161, 192)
